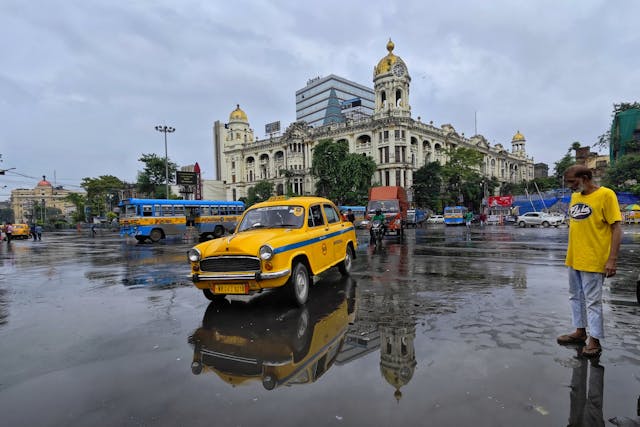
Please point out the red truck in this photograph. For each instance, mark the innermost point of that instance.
(392, 201)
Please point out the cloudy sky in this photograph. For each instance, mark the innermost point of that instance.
(84, 82)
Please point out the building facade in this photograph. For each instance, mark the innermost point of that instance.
(24, 201)
(322, 101)
(397, 143)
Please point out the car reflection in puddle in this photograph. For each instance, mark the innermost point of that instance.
(268, 340)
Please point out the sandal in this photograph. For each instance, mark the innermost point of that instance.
(571, 339)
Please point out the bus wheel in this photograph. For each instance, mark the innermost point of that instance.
(155, 235)
(213, 297)
(218, 232)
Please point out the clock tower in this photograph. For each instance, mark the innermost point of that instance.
(391, 85)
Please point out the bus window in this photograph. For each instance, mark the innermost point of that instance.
(156, 210)
(205, 210)
(167, 210)
(214, 210)
(178, 210)
(147, 210)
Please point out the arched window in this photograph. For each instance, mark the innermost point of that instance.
(398, 98)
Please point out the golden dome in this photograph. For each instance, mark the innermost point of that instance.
(385, 64)
(238, 114)
(518, 137)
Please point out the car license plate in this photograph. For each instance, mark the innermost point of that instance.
(230, 289)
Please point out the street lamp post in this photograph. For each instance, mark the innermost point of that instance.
(166, 129)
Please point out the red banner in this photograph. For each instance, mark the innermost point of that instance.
(505, 201)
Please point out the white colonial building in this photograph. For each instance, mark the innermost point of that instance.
(397, 143)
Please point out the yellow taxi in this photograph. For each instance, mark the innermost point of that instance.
(282, 242)
(20, 231)
(268, 342)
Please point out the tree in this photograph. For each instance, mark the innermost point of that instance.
(624, 174)
(427, 185)
(341, 176)
(562, 165)
(259, 193)
(325, 165)
(102, 193)
(152, 179)
(78, 201)
(460, 176)
(605, 139)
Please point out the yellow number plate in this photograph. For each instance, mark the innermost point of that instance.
(230, 289)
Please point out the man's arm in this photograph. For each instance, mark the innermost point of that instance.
(616, 239)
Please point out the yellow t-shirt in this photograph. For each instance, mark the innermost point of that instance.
(590, 229)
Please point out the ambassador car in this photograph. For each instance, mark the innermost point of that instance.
(282, 242)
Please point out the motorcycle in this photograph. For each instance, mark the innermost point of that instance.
(377, 232)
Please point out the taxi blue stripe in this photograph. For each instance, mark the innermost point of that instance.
(310, 241)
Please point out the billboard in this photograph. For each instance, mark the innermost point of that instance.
(186, 178)
(505, 201)
(272, 127)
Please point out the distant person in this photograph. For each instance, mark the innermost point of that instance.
(9, 232)
(39, 231)
(379, 216)
(483, 219)
(468, 217)
(350, 216)
(32, 232)
(594, 242)
(93, 230)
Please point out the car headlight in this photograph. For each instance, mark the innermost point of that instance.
(194, 255)
(266, 252)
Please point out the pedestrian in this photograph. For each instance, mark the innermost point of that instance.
(594, 242)
(32, 231)
(350, 216)
(93, 230)
(483, 219)
(467, 219)
(39, 231)
(8, 231)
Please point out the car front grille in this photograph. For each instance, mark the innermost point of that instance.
(227, 264)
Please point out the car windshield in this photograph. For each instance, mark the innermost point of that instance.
(283, 216)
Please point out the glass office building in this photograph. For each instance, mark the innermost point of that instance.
(332, 99)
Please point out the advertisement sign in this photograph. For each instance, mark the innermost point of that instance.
(505, 201)
(272, 127)
(186, 178)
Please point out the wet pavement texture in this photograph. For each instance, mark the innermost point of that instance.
(447, 328)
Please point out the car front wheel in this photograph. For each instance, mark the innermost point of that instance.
(521, 224)
(545, 224)
(345, 265)
(299, 284)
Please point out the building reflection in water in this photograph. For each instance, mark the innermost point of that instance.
(270, 341)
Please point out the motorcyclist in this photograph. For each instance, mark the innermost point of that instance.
(379, 216)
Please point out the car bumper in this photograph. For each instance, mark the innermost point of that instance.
(223, 277)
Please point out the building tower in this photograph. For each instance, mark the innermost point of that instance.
(391, 86)
(517, 144)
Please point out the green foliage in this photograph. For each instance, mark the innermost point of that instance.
(152, 179)
(604, 140)
(461, 178)
(102, 193)
(427, 183)
(341, 176)
(78, 201)
(259, 193)
(562, 165)
(624, 174)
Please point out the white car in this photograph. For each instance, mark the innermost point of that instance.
(435, 219)
(532, 219)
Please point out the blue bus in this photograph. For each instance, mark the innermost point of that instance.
(454, 215)
(156, 219)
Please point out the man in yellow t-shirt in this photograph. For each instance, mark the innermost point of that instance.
(594, 242)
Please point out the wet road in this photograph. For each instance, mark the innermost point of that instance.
(444, 329)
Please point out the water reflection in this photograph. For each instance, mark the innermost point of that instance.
(268, 340)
